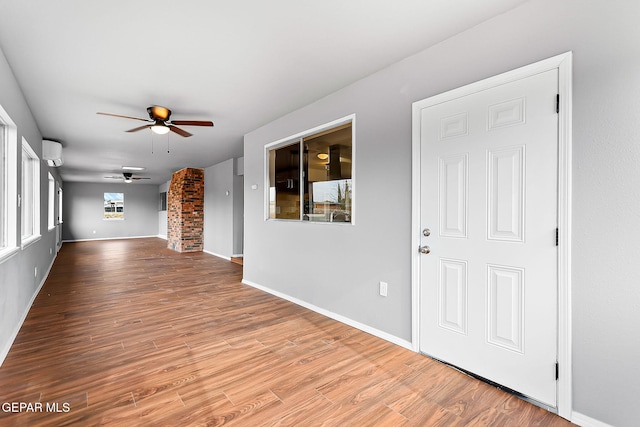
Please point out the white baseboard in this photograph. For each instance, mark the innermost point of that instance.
(109, 238)
(162, 236)
(12, 338)
(585, 421)
(361, 326)
(218, 255)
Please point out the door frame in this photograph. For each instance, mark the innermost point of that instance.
(563, 63)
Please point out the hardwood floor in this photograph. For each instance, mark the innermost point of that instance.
(129, 333)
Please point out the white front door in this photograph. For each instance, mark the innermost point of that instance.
(488, 208)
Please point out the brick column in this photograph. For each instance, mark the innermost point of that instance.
(185, 210)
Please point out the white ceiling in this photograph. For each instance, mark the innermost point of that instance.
(239, 63)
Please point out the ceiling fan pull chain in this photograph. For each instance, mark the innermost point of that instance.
(167, 143)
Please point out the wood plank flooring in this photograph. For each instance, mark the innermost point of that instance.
(129, 333)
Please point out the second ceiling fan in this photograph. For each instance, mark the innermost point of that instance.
(160, 123)
(127, 177)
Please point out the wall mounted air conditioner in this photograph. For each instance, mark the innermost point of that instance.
(52, 152)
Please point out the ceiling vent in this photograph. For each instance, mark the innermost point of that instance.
(52, 152)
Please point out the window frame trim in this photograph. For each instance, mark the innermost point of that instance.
(34, 200)
(59, 198)
(10, 190)
(51, 202)
(298, 138)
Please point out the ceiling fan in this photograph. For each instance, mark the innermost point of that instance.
(159, 121)
(127, 177)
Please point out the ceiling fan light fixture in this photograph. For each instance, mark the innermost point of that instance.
(160, 129)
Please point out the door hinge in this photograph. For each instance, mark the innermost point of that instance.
(557, 103)
(557, 371)
(557, 236)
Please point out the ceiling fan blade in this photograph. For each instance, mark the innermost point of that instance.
(192, 123)
(139, 177)
(179, 131)
(139, 128)
(124, 117)
(113, 177)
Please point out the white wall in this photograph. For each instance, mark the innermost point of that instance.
(222, 209)
(162, 215)
(84, 211)
(338, 268)
(22, 274)
(238, 206)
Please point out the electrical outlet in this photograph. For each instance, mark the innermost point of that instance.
(383, 288)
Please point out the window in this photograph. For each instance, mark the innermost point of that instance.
(163, 201)
(51, 216)
(317, 186)
(113, 205)
(30, 196)
(4, 204)
(59, 205)
(8, 185)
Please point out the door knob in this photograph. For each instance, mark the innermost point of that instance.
(425, 249)
(426, 232)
